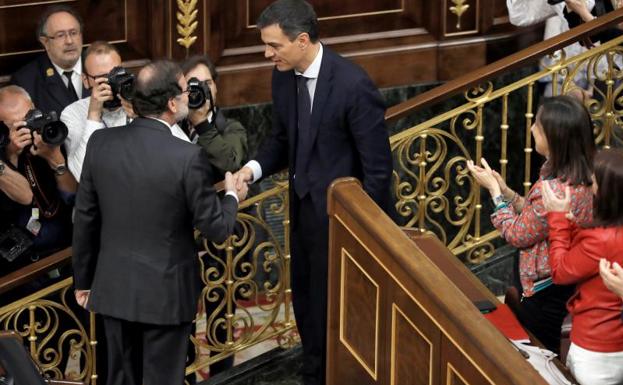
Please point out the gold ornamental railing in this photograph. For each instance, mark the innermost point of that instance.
(246, 296)
(246, 299)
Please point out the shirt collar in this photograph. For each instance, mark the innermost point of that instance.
(314, 68)
(77, 68)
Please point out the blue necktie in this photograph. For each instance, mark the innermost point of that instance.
(301, 182)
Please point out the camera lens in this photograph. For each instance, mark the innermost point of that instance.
(54, 132)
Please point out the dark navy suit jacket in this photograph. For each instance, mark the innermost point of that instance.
(348, 132)
(44, 85)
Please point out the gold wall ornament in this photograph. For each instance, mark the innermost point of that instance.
(187, 23)
(459, 9)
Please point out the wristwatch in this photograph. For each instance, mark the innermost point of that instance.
(498, 200)
(2, 166)
(60, 169)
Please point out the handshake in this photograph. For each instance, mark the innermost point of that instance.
(239, 182)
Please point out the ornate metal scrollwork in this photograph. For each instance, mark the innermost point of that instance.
(459, 9)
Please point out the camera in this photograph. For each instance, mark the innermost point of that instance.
(121, 83)
(52, 130)
(554, 2)
(198, 94)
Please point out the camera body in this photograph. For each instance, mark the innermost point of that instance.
(121, 83)
(554, 2)
(51, 129)
(198, 93)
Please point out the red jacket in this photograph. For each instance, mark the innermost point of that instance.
(574, 255)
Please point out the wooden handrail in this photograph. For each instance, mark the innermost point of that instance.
(28, 273)
(516, 60)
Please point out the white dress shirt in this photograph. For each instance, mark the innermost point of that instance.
(311, 73)
(80, 130)
(76, 76)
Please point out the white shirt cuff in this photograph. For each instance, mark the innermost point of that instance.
(255, 168)
(232, 193)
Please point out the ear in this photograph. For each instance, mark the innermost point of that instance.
(44, 41)
(171, 105)
(85, 81)
(303, 40)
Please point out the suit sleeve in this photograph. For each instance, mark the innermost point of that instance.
(572, 262)
(214, 217)
(273, 153)
(87, 225)
(366, 119)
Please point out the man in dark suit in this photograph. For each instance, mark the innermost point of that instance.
(333, 126)
(53, 80)
(141, 194)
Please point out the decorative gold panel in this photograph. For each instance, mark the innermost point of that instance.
(359, 313)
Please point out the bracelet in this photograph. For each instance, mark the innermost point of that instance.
(498, 199)
(501, 206)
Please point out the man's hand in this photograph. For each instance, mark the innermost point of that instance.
(127, 107)
(231, 184)
(579, 7)
(82, 297)
(243, 176)
(20, 137)
(51, 153)
(199, 115)
(100, 93)
(484, 176)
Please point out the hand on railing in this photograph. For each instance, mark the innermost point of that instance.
(82, 297)
(552, 203)
(232, 184)
(484, 176)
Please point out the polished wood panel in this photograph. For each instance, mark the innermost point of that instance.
(398, 42)
(429, 331)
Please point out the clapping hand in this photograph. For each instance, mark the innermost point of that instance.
(553, 203)
(612, 275)
(484, 176)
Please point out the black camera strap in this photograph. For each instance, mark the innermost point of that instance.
(47, 204)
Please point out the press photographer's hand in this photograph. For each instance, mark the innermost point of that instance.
(100, 93)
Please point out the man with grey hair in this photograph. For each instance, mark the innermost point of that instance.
(48, 215)
(328, 122)
(142, 192)
(53, 79)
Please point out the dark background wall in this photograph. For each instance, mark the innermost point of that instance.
(399, 42)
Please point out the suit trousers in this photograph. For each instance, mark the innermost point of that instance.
(309, 270)
(146, 354)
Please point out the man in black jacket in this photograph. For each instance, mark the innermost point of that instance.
(142, 193)
(53, 80)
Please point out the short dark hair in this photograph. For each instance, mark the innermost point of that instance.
(57, 8)
(568, 129)
(153, 91)
(293, 17)
(195, 60)
(608, 202)
(101, 47)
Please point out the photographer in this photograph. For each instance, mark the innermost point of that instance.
(43, 164)
(224, 140)
(102, 109)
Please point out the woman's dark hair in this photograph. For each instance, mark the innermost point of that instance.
(293, 17)
(155, 87)
(192, 62)
(608, 202)
(568, 130)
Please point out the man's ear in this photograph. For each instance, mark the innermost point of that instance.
(43, 40)
(303, 40)
(171, 105)
(85, 81)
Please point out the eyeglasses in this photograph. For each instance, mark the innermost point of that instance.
(94, 77)
(62, 35)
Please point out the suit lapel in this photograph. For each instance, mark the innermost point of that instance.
(324, 85)
(54, 85)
